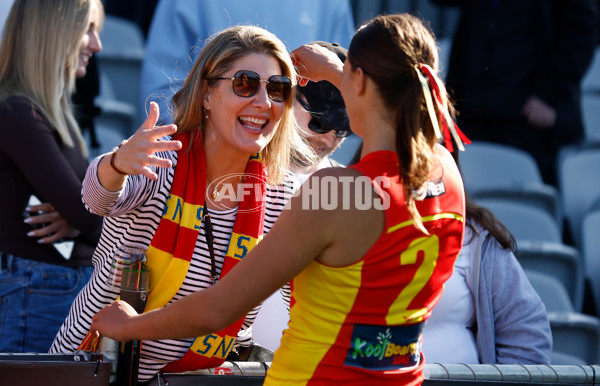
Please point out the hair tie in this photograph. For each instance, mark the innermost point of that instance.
(437, 94)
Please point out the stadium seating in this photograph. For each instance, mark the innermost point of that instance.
(590, 233)
(492, 170)
(121, 58)
(561, 261)
(579, 187)
(526, 222)
(575, 334)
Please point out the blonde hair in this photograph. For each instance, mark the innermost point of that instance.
(387, 49)
(39, 56)
(217, 57)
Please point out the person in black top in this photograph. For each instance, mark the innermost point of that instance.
(515, 71)
(47, 258)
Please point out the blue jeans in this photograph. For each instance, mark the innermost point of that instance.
(35, 299)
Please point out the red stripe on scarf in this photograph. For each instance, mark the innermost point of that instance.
(162, 237)
(186, 242)
(189, 183)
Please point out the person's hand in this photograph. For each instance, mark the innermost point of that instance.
(539, 113)
(111, 321)
(137, 153)
(316, 63)
(55, 226)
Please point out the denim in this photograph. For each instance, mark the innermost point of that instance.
(35, 299)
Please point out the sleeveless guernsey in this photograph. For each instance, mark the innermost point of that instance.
(362, 324)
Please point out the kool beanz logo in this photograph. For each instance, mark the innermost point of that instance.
(366, 350)
(393, 348)
(327, 193)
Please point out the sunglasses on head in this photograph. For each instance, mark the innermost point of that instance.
(247, 83)
(316, 126)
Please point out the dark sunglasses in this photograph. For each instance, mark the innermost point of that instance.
(316, 126)
(247, 83)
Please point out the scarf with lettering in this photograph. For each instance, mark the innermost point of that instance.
(173, 244)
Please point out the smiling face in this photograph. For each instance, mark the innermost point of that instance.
(242, 125)
(90, 43)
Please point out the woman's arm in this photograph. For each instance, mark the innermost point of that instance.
(33, 146)
(522, 329)
(317, 63)
(300, 235)
(108, 192)
(52, 226)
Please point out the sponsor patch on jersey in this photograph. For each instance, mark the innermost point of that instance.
(435, 188)
(385, 347)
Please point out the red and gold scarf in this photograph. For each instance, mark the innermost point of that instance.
(173, 245)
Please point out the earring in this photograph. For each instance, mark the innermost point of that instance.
(205, 114)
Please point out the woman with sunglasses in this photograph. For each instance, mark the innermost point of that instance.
(322, 120)
(365, 277)
(197, 196)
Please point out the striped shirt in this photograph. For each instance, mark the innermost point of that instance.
(131, 217)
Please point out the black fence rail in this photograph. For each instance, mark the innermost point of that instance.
(84, 368)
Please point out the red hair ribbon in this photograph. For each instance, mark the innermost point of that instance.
(450, 129)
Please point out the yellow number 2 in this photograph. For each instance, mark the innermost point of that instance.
(430, 247)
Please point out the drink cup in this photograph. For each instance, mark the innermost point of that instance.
(129, 274)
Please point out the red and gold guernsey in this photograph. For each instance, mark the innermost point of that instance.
(362, 324)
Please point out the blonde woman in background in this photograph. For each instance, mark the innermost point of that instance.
(46, 45)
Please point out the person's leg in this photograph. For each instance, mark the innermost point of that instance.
(51, 292)
(545, 152)
(539, 143)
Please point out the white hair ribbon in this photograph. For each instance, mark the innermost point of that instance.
(441, 102)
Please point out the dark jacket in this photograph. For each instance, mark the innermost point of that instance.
(504, 53)
(33, 160)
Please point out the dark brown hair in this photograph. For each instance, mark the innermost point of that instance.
(387, 49)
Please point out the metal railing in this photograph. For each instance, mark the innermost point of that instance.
(84, 368)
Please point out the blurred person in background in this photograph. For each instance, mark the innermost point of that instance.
(515, 72)
(46, 258)
(179, 27)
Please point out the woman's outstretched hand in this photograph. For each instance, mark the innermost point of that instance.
(316, 63)
(136, 154)
(111, 321)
